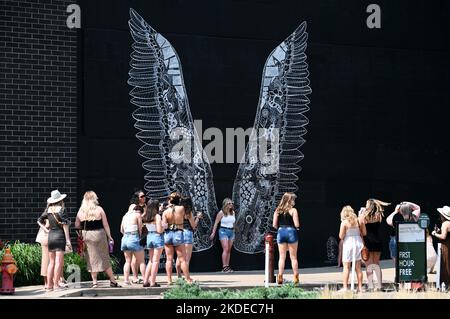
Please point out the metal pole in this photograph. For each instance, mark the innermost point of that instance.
(266, 274)
(352, 280)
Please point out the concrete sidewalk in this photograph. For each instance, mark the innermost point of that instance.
(309, 278)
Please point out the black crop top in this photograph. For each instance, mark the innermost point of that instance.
(91, 224)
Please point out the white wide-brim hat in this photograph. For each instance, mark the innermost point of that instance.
(445, 211)
(55, 197)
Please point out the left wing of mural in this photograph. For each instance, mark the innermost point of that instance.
(174, 157)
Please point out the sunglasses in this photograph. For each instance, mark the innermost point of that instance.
(141, 196)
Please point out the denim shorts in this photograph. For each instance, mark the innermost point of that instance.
(130, 242)
(155, 240)
(174, 238)
(393, 246)
(226, 233)
(188, 236)
(287, 235)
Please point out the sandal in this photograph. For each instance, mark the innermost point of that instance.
(155, 285)
(94, 286)
(138, 281)
(127, 283)
(114, 285)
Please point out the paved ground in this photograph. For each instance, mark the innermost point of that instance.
(329, 278)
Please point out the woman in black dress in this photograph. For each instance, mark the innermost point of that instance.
(58, 237)
(444, 239)
(371, 216)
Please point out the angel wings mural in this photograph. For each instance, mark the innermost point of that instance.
(163, 118)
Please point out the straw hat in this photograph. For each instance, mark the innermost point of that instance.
(445, 211)
(55, 197)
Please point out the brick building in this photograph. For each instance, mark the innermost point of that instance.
(38, 112)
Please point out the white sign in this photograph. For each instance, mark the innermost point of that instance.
(410, 233)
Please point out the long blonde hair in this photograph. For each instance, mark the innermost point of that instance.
(347, 213)
(375, 207)
(89, 205)
(286, 203)
(225, 210)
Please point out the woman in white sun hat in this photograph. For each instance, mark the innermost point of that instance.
(58, 237)
(445, 243)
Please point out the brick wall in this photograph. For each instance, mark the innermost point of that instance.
(38, 116)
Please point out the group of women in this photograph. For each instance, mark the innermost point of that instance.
(55, 240)
(168, 225)
(364, 230)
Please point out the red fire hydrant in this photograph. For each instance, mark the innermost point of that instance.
(270, 256)
(8, 269)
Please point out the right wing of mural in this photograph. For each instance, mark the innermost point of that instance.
(270, 164)
(174, 157)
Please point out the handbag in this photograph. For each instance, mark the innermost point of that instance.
(81, 245)
(42, 237)
(143, 239)
(364, 251)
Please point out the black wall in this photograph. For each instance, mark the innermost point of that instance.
(378, 118)
(38, 113)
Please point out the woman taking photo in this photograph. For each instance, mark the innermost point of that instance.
(58, 237)
(91, 221)
(227, 218)
(286, 220)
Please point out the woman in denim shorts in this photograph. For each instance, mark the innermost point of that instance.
(189, 225)
(286, 220)
(131, 228)
(172, 221)
(155, 242)
(226, 217)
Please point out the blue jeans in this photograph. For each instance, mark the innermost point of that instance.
(226, 233)
(130, 242)
(287, 235)
(174, 238)
(155, 240)
(188, 236)
(393, 246)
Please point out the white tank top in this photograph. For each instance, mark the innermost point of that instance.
(127, 226)
(151, 227)
(353, 232)
(227, 221)
(130, 228)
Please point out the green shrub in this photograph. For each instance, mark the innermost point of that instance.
(28, 259)
(184, 291)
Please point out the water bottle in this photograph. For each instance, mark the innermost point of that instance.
(443, 287)
(111, 246)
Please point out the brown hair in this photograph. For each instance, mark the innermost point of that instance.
(286, 203)
(174, 198)
(374, 207)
